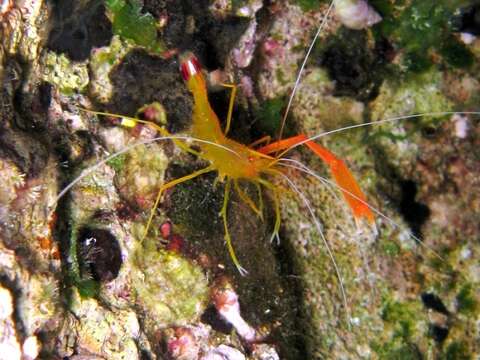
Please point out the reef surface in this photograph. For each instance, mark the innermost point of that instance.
(78, 278)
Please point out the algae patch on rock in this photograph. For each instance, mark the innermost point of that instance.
(170, 289)
(67, 76)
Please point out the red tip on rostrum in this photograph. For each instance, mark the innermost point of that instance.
(189, 65)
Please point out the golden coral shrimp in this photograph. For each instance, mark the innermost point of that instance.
(234, 161)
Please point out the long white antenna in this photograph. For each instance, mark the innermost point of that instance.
(325, 242)
(379, 122)
(302, 67)
(91, 169)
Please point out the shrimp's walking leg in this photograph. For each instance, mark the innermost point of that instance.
(260, 197)
(263, 139)
(247, 199)
(348, 185)
(276, 201)
(167, 186)
(228, 239)
(230, 105)
(276, 227)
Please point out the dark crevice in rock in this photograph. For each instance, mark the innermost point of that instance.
(356, 69)
(294, 339)
(438, 333)
(15, 289)
(78, 26)
(212, 318)
(468, 20)
(141, 79)
(401, 191)
(414, 212)
(99, 254)
(433, 302)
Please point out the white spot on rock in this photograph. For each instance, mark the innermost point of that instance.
(356, 14)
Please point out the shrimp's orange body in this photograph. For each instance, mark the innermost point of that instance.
(234, 161)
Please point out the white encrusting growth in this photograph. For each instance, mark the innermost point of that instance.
(227, 305)
(461, 125)
(223, 352)
(467, 38)
(356, 14)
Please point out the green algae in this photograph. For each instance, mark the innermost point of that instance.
(269, 115)
(457, 351)
(308, 5)
(102, 62)
(87, 287)
(466, 302)
(67, 76)
(402, 316)
(130, 23)
(421, 94)
(390, 248)
(403, 329)
(170, 289)
(140, 175)
(418, 94)
(420, 27)
(392, 352)
(118, 162)
(456, 54)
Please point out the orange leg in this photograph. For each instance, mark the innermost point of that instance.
(350, 189)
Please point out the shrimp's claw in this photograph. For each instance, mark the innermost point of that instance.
(349, 187)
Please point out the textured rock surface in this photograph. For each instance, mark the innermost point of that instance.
(77, 277)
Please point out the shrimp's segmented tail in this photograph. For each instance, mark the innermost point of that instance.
(351, 191)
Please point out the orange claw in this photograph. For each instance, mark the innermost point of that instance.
(354, 196)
